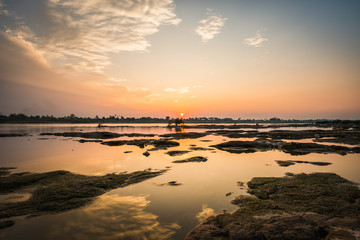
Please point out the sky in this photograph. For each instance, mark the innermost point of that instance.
(157, 58)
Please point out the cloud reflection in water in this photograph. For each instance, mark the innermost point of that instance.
(205, 213)
(117, 217)
(111, 216)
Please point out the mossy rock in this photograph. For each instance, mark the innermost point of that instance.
(303, 206)
(59, 191)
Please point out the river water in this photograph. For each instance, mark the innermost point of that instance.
(150, 209)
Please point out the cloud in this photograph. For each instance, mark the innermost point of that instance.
(256, 41)
(197, 86)
(3, 11)
(78, 31)
(64, 46)
(210, 26)
(181, 90)
(91, 91)
(205, 213)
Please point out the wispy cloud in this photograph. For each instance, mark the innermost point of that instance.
(178, 90)
(3, 11)
(77, 31)
(210, 26)
(256, 41)
(182, 90)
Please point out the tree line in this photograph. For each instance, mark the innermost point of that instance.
(72, 118)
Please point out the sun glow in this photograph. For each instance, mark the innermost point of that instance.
(181, 114)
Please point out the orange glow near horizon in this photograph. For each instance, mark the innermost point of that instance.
(301, 74)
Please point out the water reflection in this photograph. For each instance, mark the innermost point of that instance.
(115, 216)
(179, 129)
(111, 216)
(205, 213)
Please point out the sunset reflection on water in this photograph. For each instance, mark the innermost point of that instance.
(149, 209)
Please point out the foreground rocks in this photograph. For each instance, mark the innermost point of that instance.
(58, 191)
(313, 206)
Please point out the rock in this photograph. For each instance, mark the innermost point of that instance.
(247, 126)
(243, 146)
(313, 163)
(86, 140)
(351, 137)
(146, 154)
(303, 206)
(158, 143)
(5, 170)
(6, 223)
(240, 184)
(59, 191)
(157, 149)
(94, 135)
(286, 163)
(14, 134)
(176, 153)
(295, 148)
(319, 163)
(171, 183)
(174, 183)
(192, 159)
(190, 135)
(128, 151)
(201, 149)
(98, 135)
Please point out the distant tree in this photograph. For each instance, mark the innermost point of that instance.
(179, 121)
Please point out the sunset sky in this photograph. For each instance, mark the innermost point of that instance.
(229, 58)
